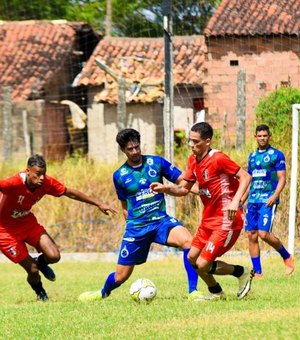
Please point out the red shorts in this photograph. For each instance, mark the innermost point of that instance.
(213, 242)
(13, 240)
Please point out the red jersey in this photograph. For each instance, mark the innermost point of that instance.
(16, 199)
(215, 174)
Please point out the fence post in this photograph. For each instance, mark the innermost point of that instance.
(7, 124)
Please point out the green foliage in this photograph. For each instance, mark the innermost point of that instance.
(275, 110)
(33, 9)
(137, 18)
(270, 311)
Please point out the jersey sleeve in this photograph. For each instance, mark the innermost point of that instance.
(55, 188)
(226, 164)
(280, 163)
(170, 171)
(119, 189)
(189, 175)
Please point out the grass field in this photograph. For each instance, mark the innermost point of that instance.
(270, 311)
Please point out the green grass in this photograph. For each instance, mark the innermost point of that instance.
(271, 310)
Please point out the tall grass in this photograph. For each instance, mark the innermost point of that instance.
(270, 311)
(81, 227)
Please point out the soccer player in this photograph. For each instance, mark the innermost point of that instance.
(222, 184)
(145, 214)
(19, 226)
(266, 165)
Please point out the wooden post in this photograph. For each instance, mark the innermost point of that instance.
(7, 124)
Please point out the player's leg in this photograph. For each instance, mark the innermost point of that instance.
(115, 279)
(34, 278)
(133, 250)
(14, 248)
(180, 237)
(49, 254)
(266, 219)
(251, 227)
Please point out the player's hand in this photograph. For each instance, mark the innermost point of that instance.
(107, 208)
(231, 210)
(157, 187)
(271, 201)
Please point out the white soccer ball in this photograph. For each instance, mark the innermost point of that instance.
(143, 290)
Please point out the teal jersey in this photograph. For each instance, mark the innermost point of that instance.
(263, 166)
(133, 186)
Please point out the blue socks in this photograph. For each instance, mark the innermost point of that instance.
(192, 275)
(256, 264)
(110, 284)
(283, 252)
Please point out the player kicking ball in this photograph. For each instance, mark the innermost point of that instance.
(145, 214)
(222, 183)
(19, 226)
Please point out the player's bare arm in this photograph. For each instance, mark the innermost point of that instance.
(244, 181)
(80, 196)
(178, 190)
(281, 184)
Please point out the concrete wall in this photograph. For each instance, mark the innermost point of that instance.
(268, 62)
(26, 130)
(146, 118)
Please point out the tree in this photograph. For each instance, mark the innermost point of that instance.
(137, 18)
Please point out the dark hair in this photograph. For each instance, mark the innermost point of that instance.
(36, 160)
(204, 129)
(127, 135)
(262, 127)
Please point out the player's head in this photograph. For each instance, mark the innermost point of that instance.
(200, 138)
(36, 171)
(129, 141)
(262, 135)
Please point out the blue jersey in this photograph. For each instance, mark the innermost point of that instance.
(263, 166)
(133, 186)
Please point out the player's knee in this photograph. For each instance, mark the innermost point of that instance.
(263, 235)
(53, 256)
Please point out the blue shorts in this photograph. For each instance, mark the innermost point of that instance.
(260, 217)
(135, 249)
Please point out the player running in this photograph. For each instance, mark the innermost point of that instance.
(19, 226)
(145, 214)
(222, 184)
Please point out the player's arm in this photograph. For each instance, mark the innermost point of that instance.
(124, 209)
(244, 181)
(181, 189)
(194, 189)
(82, 197)
(280, 185)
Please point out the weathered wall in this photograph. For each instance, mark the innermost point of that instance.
(268, 62)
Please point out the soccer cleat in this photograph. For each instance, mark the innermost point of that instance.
(42, 296)
(46, 271)
(194, 295)
(91, 296)
(210, 297)
(289, 265)
(245, 283)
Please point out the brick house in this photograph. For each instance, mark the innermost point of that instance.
(259, 38)
(139, 62)
(39, 60)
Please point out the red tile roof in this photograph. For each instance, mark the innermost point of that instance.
(141, 62)
(255, 17)
(30, 53)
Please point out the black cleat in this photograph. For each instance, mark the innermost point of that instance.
(46, 271)
(42, 296)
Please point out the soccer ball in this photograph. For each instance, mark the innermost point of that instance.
(143, 290)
